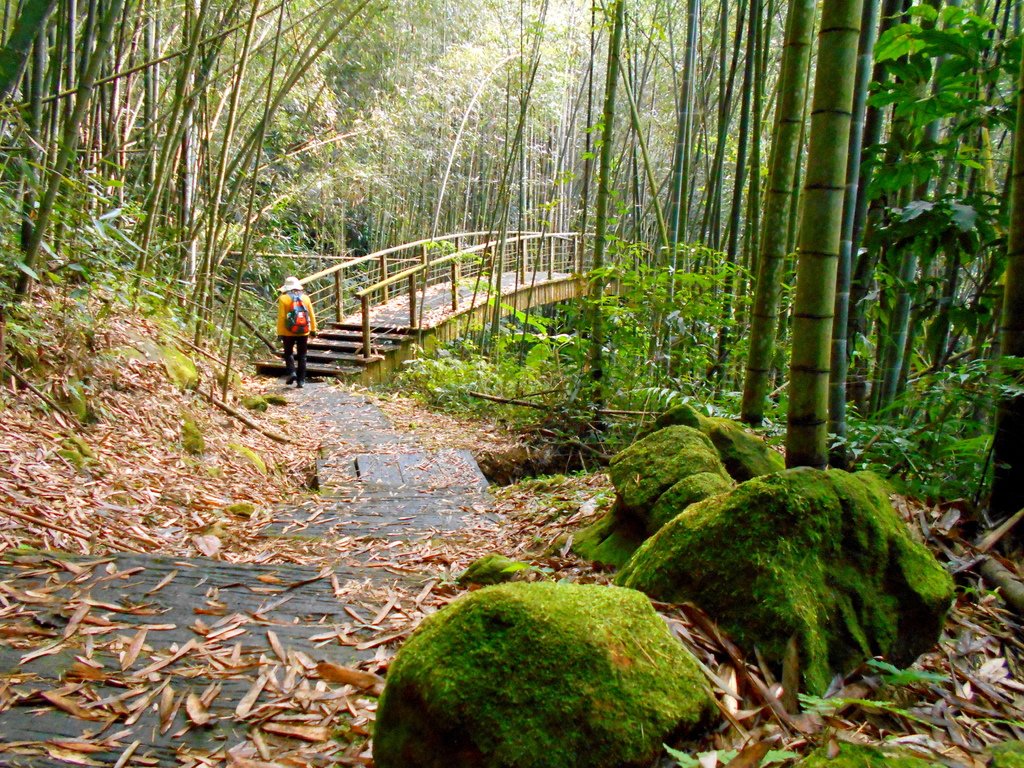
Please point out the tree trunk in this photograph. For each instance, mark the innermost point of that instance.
(820, 231)
(1008, 448)
(597, 281)
(785, 157)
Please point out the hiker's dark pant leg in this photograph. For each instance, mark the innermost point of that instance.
(289, 355)
(300, 353)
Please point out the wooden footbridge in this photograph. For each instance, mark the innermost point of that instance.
(379, 310)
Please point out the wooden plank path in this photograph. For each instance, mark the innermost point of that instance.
(156, 660)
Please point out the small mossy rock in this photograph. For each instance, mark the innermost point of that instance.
(860, 756)
(744, 454)
(1010, 754)
(492, 569)
(73, 457)
(192, 439)
(77, 443)
(240, 509)
(539, 675)
(256, 403)
(821, 556)
(687, 491)
(275, 399)
(611, 540)
(248, 453)
(651, 466)
(180, 368)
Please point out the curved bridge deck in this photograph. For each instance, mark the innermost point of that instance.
(389, 305)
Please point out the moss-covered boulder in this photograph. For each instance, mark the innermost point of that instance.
(743, 453)
(492, 569)
(192, 439)
(274, 398)
(687, 491)
(179, 367)
(256, 403)
(651, 466)
(539, 675)
(1008, 755)
(860, 756)
(642, 474)
(682, 414)
(819, 556)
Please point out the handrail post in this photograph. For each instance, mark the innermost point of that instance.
(365, 302)
(455, 285)
(522, 258)
(412, 301)
(337, 296)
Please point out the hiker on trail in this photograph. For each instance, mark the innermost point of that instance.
(295, 323)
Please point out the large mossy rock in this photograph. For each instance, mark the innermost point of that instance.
(642, 474)
(819, 556)
(860, 756)
(539, 676)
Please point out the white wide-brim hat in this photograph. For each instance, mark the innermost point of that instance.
(290, 284)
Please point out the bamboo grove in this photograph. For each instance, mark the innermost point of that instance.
(805, 207)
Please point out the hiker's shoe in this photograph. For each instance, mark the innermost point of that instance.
(291, 380)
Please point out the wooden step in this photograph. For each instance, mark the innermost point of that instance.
(277, 368)
(349, 358)
(398, 331)
(335, 335)
(353, 345)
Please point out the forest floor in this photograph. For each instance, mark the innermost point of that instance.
(164, 608)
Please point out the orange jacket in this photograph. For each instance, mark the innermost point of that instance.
(284, 306)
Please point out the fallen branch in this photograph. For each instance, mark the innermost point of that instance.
(247, 421)
(544, 407)
(991, 538)
(1010, 587)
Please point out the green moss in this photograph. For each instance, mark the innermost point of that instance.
(818, 555)
(1008, 755)
(240, 509)
(192, 439)
(687, 491)
(860, 756)
(180, 369)
(611, 540)
(251, 455)
(744, 454)
(537, 676)
(651, 466)
(214, 471)
(256, 403)
(492, 569)
(275, 399)
(73, 457)
(682, 414)
(77, 443)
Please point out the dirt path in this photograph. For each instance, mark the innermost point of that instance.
(154, 660)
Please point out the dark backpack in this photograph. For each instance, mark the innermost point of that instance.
(297, 319)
